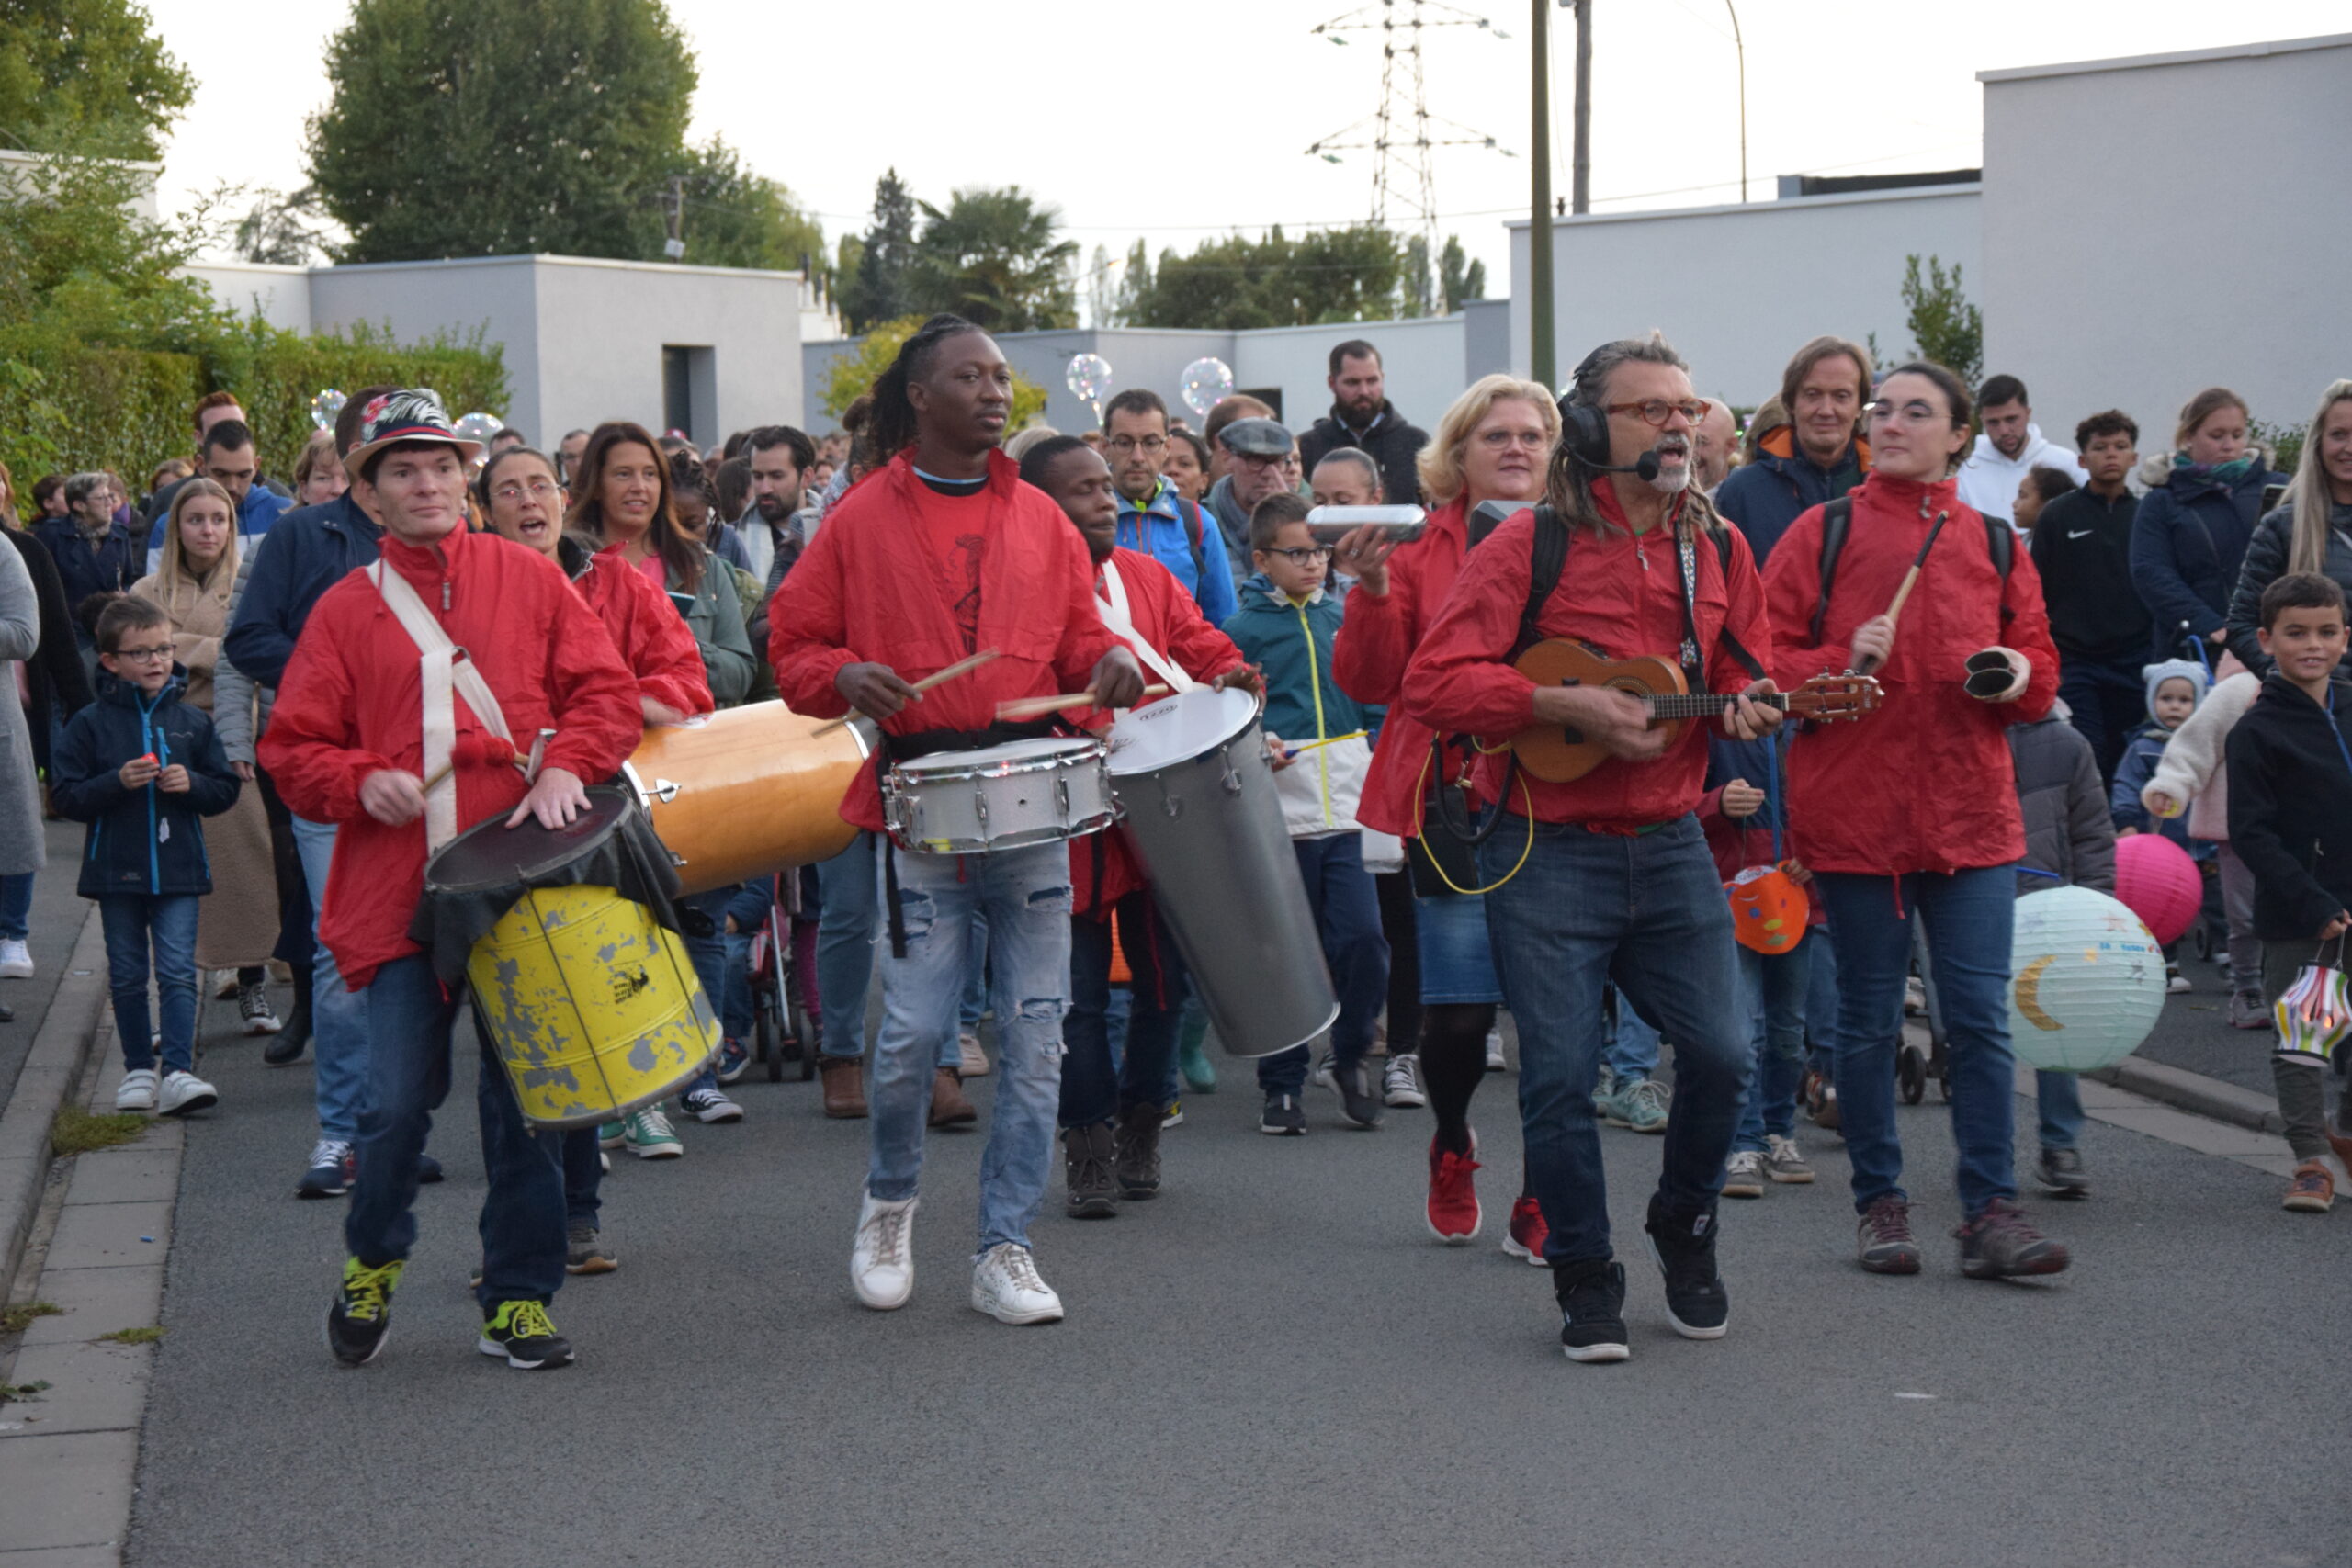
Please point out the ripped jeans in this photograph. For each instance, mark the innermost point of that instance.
(1026, 894)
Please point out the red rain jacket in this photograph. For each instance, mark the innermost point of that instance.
(651, 637)
(351, 705)
(1926, 782)
(1622, 595)
(867, 589)
(1377, 635)
(1167, 616)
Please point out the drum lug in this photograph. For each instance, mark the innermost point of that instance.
(981, 804)
(1061, 799)
(665, 792)
(1173, 804)
(1229, 778)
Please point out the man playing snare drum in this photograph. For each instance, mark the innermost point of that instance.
(941, 555)
(347, 744)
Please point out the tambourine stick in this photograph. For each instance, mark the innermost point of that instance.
(1910, 581)
(961, 667)
(1037, 707)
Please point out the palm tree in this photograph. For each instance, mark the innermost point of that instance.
(992, 258)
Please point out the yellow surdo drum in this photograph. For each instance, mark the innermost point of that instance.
(588, 999)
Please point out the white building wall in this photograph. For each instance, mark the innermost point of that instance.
(2157, 225)
(1738, 288)
(418, 299)
(1421, 359)
(278, 295)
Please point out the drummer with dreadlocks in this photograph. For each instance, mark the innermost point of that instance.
(940, 555)
(404, 675)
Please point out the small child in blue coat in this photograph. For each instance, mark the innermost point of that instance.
(2174, 687)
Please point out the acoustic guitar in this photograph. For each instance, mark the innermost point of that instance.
(1557, 753)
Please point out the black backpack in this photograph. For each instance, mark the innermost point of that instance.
(1837, 521)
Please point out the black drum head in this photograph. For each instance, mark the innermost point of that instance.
(490, 855)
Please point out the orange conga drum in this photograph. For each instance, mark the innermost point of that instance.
(746, 792)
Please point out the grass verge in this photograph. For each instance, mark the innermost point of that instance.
(78, 1132)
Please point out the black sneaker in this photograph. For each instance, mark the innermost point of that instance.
(2061, 1175)
(1684, 1246)
(361, 1317)
(1592, 1310)
(1357, 1109)
(285, 1046)
(1088, 1154)
(1134, 1152)
(520, 1332)
(1283, 1118)
(2002, 1244)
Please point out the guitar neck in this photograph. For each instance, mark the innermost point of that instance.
(1706, 704)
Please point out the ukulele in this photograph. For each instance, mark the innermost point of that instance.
(1557, 753)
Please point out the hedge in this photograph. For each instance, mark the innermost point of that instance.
(64, 407)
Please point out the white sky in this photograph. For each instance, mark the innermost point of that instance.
(1176, 122)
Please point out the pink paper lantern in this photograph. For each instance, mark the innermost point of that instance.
(2156, 880)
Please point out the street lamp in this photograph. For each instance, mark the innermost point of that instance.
(1742, 49)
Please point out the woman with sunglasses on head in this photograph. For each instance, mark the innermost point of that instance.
(1912, 815)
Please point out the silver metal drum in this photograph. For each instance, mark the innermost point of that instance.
(1191, 775)
(998, 797)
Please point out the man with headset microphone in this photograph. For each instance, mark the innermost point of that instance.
(1614, 878)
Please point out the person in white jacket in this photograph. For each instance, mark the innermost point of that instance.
(2012, 445)
(2190, 775)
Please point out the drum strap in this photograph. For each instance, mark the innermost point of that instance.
(1114, 609)
(444, 672)
(892, 748)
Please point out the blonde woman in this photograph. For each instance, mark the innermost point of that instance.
(2189, 534)
(2310, 532)
(317, 473)
(237, 924)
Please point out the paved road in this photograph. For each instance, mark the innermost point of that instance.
(1272, 1363)
(2194, 1034)
(55, 927)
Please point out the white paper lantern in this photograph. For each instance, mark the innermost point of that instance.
(2087, 981)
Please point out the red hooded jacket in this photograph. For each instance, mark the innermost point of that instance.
(351, 705)
(1375, 642)
(1926, 782)
(1167, 616)
(648, 632)
(867, 590)
(1622, 595)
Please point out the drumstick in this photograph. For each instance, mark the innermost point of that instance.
(1037, 707)
(961, 667)
(1327, 740)
(1910, 581)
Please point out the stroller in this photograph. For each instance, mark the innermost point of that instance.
(782, 962)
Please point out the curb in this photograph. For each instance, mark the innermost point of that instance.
(61, 1050)
(2195, 1093)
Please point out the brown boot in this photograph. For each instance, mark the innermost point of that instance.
(845, 1087)
(948, 1106)
(1137, 1157)
(1086, 1164)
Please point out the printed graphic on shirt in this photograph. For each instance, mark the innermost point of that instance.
(964, 576)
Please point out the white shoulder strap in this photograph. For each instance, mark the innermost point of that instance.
(444, 675)
(1115, 614)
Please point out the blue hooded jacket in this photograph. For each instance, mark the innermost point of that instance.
(140, 840)
(1162, 529)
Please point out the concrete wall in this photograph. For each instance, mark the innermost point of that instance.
(1735, 288)
(16, 166)
(418, 299)
(2154, 226)
(278, 295)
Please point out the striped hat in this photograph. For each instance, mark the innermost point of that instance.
(411, 413)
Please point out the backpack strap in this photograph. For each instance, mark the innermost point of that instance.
(2001, 544)
(1836, 521)
(1547, 557)
(1730, 639)
(1190, 515)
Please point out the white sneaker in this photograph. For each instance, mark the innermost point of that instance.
(1401, 1082)
(137, 1090)
(184, 1092)
(1495, 1063)
(225, 985)
(973, 1061)
(253, 1009)
(1005, 1286)
(882, 1260)
(15, 959)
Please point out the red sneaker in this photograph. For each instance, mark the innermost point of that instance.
(1525, 1236)
(1453, 1194)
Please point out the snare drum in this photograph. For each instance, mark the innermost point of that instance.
(747, 792)
(1000, 797)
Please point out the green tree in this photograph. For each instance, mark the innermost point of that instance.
(735, 218)
(852, 375)
(1236, 283)
(281, 230)
(1459, 279)
(991, 257)
(1135, 283)
(87, 76)
(878, 289)
(1944, 326)
(503, 127)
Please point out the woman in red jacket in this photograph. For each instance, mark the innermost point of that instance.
(1494, 443)
(1913, 811)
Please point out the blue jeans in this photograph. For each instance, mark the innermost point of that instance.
(1821, 1002)
(1771, 997)
(583, 1177)
(1347, 917)
(1631, 1049)
(1095, 1085)
(17, 905)
(709, 957)
(2059, 1099)
(848, 921)
(130, 920)
(1971, 919)
(735, 1015)
(522, 1213)
(338, 1019)
(1026, 893)
(1646, 912)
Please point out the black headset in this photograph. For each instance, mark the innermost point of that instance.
(1584, 430)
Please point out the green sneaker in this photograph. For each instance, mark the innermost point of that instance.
(647, 1134)
(611, 1134)
(362, 1315)
(1604, 1091)
(1639, 1104)
(1200, 1075)
(520, 1332)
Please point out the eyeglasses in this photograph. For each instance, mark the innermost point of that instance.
(1303, 554)
(1655, 411)
(1919, 411)
(1123, 445)
(1258, 464)
(538, 489)
(144, 655)
(1502, 440)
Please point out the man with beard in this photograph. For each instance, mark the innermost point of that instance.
(1608, 878)
(1363, 417)
(2011, 447)
(781, 459)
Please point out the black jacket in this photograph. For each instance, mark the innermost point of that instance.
(1392, 441)
(2069, 838)
(310, 551)
(2290, 808)
(2082, 546)
(142, 840)
(119, 561)
(2266, 562)
(54, 672)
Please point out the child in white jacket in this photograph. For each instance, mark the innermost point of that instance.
(2190, 775)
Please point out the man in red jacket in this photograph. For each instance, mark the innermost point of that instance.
(356, 734)
(1609, 877)
(941, 554)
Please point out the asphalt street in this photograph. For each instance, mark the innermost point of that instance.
(1274, 1362)
(2194, 1031)
(50, 933)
